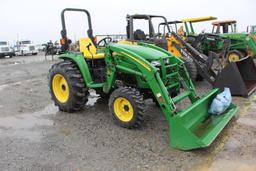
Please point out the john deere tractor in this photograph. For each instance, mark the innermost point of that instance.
(241, 44)
(128, 74)
(160, 39)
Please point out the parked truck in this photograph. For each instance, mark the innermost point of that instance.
(5, 49)
(26, 47)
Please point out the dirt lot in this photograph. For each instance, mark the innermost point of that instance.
(36, 136)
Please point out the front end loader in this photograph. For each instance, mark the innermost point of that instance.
(128, 74)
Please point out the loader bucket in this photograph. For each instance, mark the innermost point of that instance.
(239, 76)
(194, 127)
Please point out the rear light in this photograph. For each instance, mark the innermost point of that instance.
(62, 41)
(95, 40)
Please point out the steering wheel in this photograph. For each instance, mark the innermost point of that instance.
(105, 41)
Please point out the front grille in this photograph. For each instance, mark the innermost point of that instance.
(5, 49)
(31, 48)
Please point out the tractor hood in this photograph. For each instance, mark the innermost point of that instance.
(147, 53)
(240, 36)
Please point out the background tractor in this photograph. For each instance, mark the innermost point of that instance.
(128, 74)
(160, 39)
(203, 42)
(241, 44)
(192, 49)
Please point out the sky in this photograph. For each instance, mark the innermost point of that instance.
(39, 20)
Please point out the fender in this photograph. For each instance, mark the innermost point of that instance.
(82, 65)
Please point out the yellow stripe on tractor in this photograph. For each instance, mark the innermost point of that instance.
(140, 62)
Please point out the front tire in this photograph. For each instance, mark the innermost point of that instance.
(127, 107)
(67, 87)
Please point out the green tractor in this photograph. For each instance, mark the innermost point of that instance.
(238, 64)
(128, 74)
(242, 44)
(165, 37)
(204, 42)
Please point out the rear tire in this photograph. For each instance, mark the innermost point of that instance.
(127, 107)
(234, 55)
(191, 68)
(67, 87)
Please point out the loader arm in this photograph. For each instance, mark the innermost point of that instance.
(202, 62)
(239, 76)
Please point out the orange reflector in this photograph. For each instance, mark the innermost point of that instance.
(95, 40)
(160, 97)
(62, 41)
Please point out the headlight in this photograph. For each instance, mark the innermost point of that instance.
(156, 63)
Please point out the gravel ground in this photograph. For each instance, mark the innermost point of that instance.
(36, 136)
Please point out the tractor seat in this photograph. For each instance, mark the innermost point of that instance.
(92, 52)
(139, 35)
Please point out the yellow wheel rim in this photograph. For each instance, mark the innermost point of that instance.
(123, 109)
(60, 88)
(232, 57)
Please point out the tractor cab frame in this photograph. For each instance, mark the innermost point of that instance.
(174, 25)
(90, 40)
(227, 26)
(139, 34)
(251, 29)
